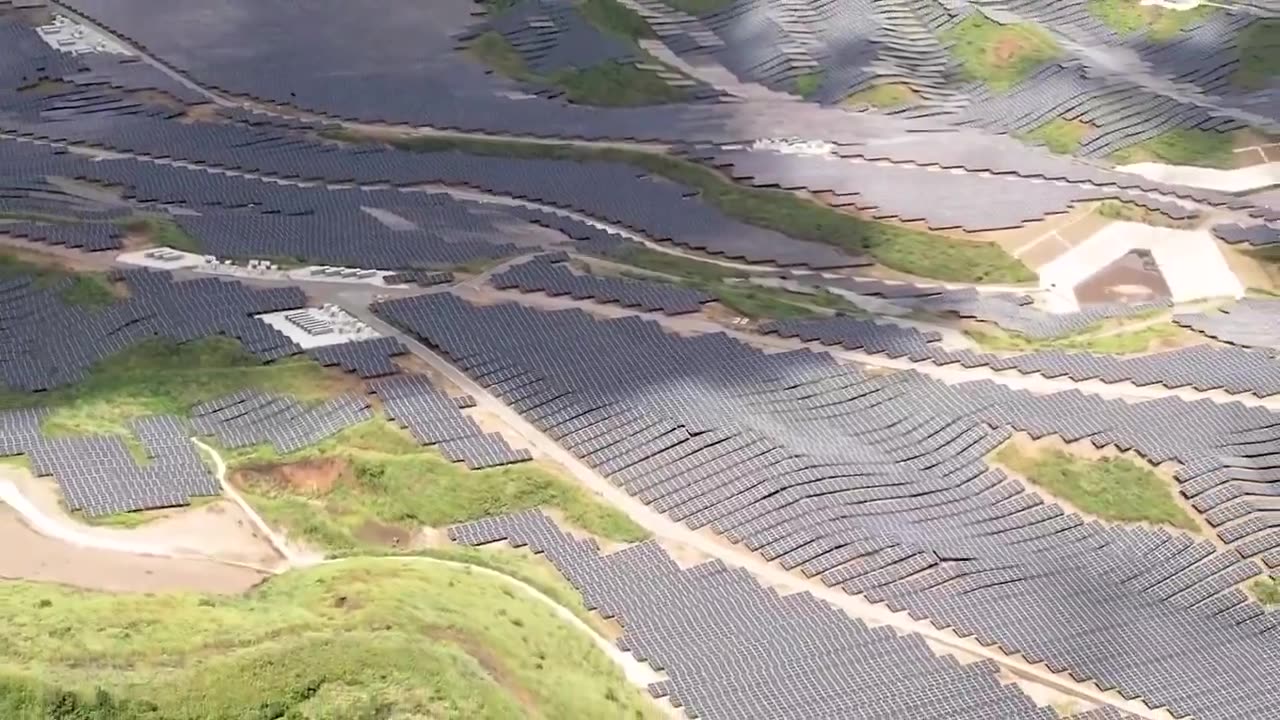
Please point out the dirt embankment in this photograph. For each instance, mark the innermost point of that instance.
(316, 480)
(314, 476)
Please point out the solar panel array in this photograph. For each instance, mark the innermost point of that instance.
(548, 274)
(98, 475)
(47, 343)
(702, 626)
(1202, 367)
(250, 417)
(366, 358)
(424, 278)
(1259, 235)
(878, 484)
(1011, 311)
(433, 418)
(1250, 322)
(940, 199)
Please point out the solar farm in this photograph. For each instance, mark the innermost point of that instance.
(722, 359)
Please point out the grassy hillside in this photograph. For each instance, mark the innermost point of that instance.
(372, 485)
(1158, 23)
(89, 290)
(159, 377)
(1201, 148)
(904, 249)
(361, 640)
(999, 55)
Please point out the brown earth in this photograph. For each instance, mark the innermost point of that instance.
(44, 559)
(1006, 49)
(314, 476)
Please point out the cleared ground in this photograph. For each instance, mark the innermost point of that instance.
(361, 640)
(51, 561)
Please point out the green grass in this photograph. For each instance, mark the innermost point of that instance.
(22, 462)
(699, 7)
(1060, 136)
(677, 265)
(1201, 148)
(889, 95)
(904, 249)
(609, 84)
(1259, 45)
(1128, 16)
(493, 50)
(612, 16)
(1119, 343)
(807, 85)
(729, 286)
(1115, 489)
(390, 480)
(163, 231)
(999, 55)
(365, 639)
(1266, 590)
(88, 290)
(162, 378)
(1133, 212)
(614, 84)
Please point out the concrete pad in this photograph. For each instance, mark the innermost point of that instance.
(1190, 260)
(341, 327)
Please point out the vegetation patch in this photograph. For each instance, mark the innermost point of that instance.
(159, 377)
(615, 84)
(613, 17)
(807, 85)
(1060, 135)
(889, 95)
(1259, 45)
(904, 249)
(365, 639)
(731, 287)
(1133, 212)
(372, 486)
(88, 290)
(1105, 339)
(1000, 55)
(699, 7)
(1266, 590)
(609, 84)
(1159, 23)
(1201, 148)
(1115, 489)
(163, 231)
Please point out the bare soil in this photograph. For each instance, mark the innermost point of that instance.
(46, 560)
(315, 476)
(218, 529)
(1006, 49)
